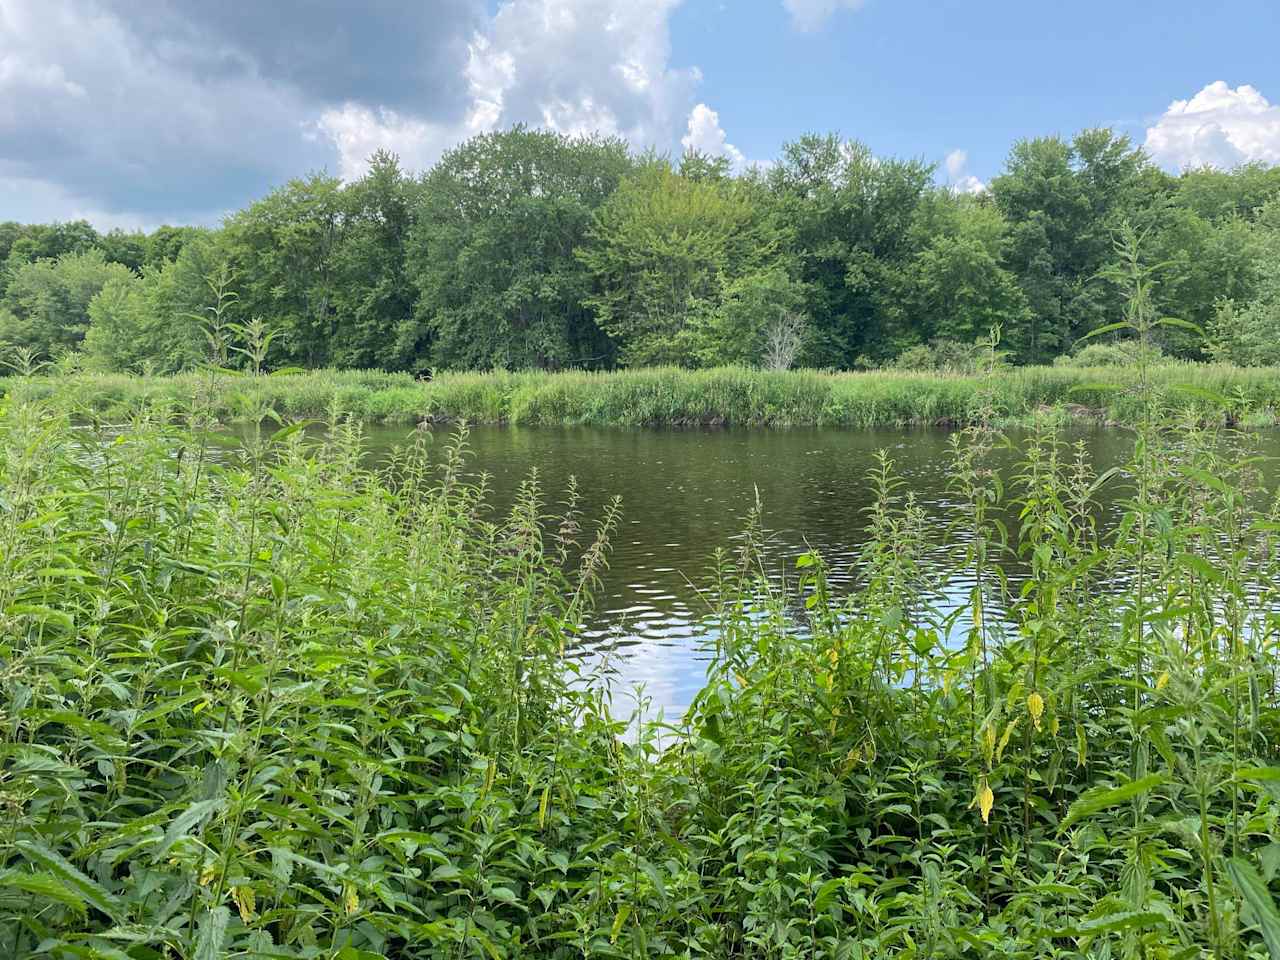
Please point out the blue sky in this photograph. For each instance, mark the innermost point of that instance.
(136, 112)
(926, 78)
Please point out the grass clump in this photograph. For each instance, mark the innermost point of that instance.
(669, 396)
(271, 703)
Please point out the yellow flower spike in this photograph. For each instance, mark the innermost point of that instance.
(1035, 707)
(986, 800)
(350, 902)
(1162, 681)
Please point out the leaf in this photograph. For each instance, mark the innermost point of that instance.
(213, 932)
(1181, 324)
(624, 911)
(44, 885)
(1106, 328)
(1100, 798)
(1255, 893)
(92, 893)
(1127, 920)
(198, 812)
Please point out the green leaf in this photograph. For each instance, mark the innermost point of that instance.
(1182, 324)
(1100, 798)
(197, 813)
(1127, 920)
(44, 885)
(1255, 893)
(1107, 328)
(89, 890)
(213, 932)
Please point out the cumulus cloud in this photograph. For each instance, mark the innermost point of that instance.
(705, 135)
(358, 132)
(582, 66)
(958, 179)
(147, 110)
(1219, 126)
(809, 15)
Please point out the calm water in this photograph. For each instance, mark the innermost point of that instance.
(686, 493)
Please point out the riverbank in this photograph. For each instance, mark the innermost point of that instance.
(283, 704)
(673, 397)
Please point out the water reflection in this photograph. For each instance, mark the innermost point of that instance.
(687, 494)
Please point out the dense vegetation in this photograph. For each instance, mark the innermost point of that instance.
(266, 702)
(531, 250)
(671, 396)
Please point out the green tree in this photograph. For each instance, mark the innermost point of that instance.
(492, 252)
(372, 298)
(1247, 331)
(1064, 202)
(849, 214)
(42, 241)
(47, 302)
(665, 253)
(284, 250)
(1215, 194)
(957, 287)
(154, 321)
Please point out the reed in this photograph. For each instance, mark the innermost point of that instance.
(674, 397)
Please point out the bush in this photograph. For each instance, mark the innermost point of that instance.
(1122, 354)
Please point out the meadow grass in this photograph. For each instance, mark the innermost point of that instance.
(274, 703)
(676, 397)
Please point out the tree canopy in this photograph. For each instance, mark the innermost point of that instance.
(533, 249)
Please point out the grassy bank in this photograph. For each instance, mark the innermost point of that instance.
(277, 705)
(673, 397)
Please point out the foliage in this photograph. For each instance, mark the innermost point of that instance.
(1124, 353)
(493, 252)
(666, 396)
(1065, 200)
(46, 303)
(528, 249)
(850, 215)
(1248, 332)
(267, 701)
(686, 271)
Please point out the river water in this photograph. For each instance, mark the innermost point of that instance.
(687, 493)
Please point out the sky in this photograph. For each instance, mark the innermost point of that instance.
(133, 113)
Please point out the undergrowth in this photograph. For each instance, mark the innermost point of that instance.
(268, 702)
(727, 396)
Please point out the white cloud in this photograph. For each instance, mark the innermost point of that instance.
(136, 110)
(809, 15)
(956, 164)
(1219, 126)
(358, 132)
(582, 66)
(578, 67)
(707, 136)
(98, 123)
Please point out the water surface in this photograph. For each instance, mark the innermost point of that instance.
(687, 493)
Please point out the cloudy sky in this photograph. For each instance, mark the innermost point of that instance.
(138, 112)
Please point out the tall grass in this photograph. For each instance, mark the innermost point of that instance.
(675, 397)
(272, 703)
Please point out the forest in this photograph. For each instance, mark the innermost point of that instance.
(527, 249)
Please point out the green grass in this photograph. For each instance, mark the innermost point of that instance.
(275, 704)
(674, 397)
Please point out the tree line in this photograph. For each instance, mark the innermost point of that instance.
(531, 249)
